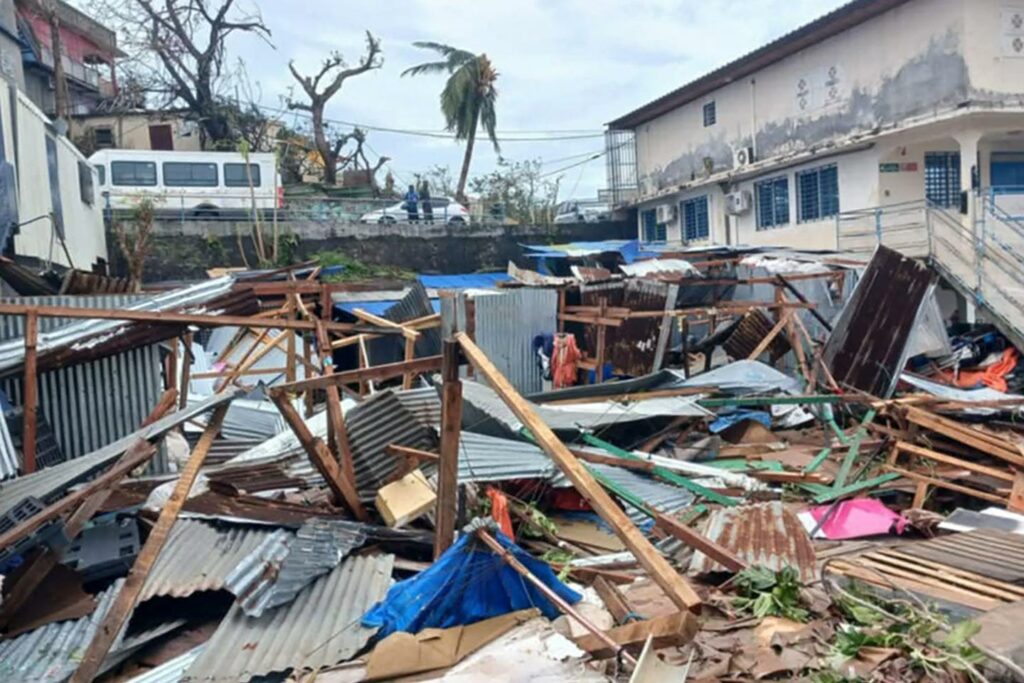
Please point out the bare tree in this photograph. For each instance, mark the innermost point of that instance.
(321, 87)
(178, 48)
(133, 238)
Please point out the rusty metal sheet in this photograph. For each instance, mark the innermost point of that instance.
(868, 345)
(766, 535)
(638, 345)
(751, 331)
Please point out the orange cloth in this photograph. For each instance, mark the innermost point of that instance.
(563, 361)
(994, 376)
(499, 510)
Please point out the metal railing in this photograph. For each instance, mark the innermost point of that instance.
(983, 257)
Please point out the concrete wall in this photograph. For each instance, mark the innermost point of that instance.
(85, 237)
(131, 131)
(10, 51)
(187, 249)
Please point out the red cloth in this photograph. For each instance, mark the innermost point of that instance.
(564, 356)
(499, 510)
(994, 376)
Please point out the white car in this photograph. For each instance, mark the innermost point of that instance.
(582, 212)
(445, 210)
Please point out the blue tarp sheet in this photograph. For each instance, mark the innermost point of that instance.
(630, 250)
(465, 281)
(729, 419)
(378, 307)
(467, 584)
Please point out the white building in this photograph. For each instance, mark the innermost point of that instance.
(878, 103)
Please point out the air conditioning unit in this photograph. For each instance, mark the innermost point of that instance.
(738, 203)
(742, 156)
(666, 213)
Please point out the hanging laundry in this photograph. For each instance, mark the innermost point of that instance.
(563, 361)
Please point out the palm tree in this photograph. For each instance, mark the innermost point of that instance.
(467, 100)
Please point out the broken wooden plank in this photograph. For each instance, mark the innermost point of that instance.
(672, 630)
(376, 373)
(124, 603)
(30, 402)
(763, 345)
(451, 427)
(674, 585)
(613, 599)
(344, 490)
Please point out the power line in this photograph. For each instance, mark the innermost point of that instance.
(503, 136)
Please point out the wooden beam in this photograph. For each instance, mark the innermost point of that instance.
(126, 598)
(613, 599)
(763, 345)
(451, 428)
(344, 490)
(384, 322)
(674, 585)
(30, 401)
(672, 630)
(186, 372)
(614, 460)
(994, 472)
(173, 318)
(986, 443)
(377, 373)
(336, 422)
(410, 355)
(716, 552)
(397, 451)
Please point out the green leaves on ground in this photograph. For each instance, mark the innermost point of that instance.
(766, 593)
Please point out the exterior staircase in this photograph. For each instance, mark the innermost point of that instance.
(982, 258)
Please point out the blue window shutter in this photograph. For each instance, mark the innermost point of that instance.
(829, 191)
(781, 201)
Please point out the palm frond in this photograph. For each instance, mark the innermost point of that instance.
(426, 68)
(446, 51)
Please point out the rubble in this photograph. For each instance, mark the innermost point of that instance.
(751, 455)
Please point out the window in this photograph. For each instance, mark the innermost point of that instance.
(653, 231)
(1007, 171)
(942, 178)
(235, 176)
(104, 137)
(101, 173)
(695, 218)
(817, 193)
(709, 114)
(772, 198)
(141, 173)
(183, 174)
(85, 185)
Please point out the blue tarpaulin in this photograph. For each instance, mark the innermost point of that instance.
(467, 584)
(464, 281)
(735, 417)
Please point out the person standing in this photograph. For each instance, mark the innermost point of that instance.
(412, 203)
(428, 207)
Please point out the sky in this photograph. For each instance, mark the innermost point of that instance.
(564, 65)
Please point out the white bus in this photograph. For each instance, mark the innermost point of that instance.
(192, 183)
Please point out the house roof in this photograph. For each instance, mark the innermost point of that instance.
(849, 15)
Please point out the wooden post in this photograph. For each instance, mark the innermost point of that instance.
(344, 490)
(684, 332)
(171, 369)
(126, 598)
(670, 581)
(30, 400)
(307, 357)
(290, 350)
(335, 419)
(186, 373)
(602, 336)
(561, 310)
(410, 355)
(451, 425)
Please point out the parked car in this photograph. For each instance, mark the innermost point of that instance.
(446, 210)
(582, 212)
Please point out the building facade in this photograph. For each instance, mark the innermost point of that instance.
(879, 103)
(168, 130)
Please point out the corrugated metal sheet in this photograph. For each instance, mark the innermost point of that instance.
(199, 556)
(171, 671)
(415, 303)
(52, 653)
(766, 535)
(84, 333)
(487, 458)
(868, 345)
(250, 419)
(92, 404)
(505, 327)
(9, 457)
(485, 410)
(372, 425)
(13, 326)
(636, 347)
(424, 404)
(752, 329)
(271, 578)
(51, 483)
(660, 495)
(320, 627)
(988, 552)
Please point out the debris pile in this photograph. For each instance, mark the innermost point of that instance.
(707, 466)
